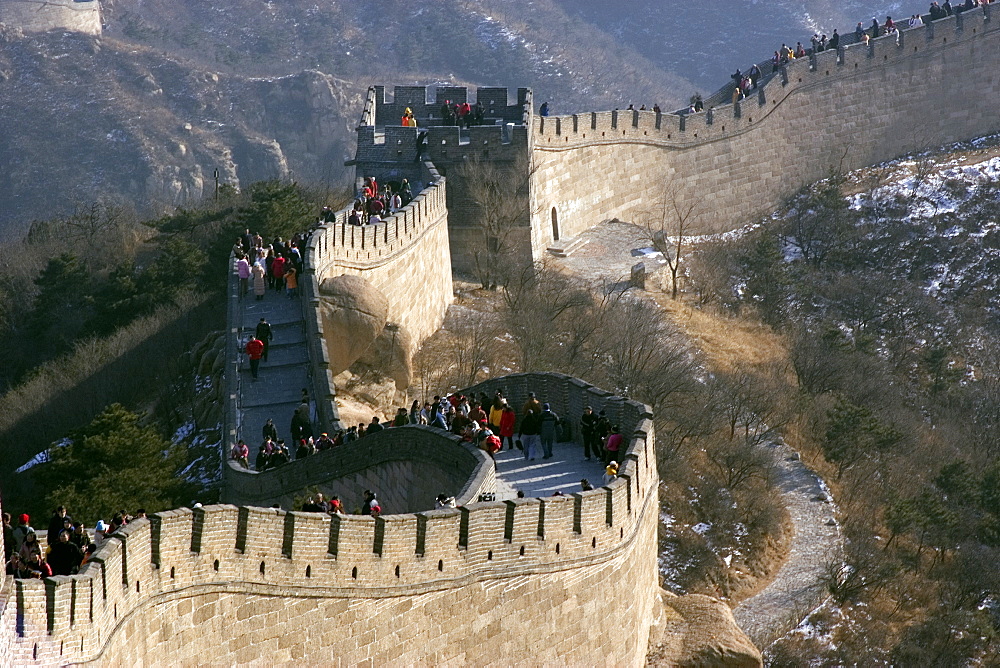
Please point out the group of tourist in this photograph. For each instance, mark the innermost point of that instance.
(745, 82)
(68, 543)
(274, 266)
(374, 202)
(488, 424)
(462, 114)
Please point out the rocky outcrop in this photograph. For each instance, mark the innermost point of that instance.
(698, 631)
(392, 355)
(354, 314)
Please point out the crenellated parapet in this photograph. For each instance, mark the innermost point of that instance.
(682, 130)
(167, 588)
(836, 110)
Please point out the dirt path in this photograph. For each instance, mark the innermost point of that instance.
(605, 257)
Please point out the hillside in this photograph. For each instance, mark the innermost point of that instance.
(95, 119)
(881, 282)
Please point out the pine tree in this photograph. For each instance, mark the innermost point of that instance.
(113, 463)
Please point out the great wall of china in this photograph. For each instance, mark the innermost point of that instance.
(560, 580)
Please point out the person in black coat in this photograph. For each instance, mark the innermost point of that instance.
(56, 524)
(65, 556)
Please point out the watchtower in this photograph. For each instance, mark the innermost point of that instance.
(499, 143)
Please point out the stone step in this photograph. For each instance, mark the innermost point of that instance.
(564, 247)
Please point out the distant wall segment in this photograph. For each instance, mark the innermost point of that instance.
(554, 580)
(405, 256)
(44, 15)
(839, 110)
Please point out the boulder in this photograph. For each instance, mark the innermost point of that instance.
(391, 355)
(697, 631)
(354, 313)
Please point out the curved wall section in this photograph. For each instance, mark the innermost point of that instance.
(406, 257)
(562, 580)
(406, 466)
(939, 83)
(43, 15)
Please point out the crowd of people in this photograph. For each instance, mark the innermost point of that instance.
(273, 266)
(68, 544)
(489, 424)
(461, 114)
(374, 201)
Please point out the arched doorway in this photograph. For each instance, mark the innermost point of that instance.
(555, 225)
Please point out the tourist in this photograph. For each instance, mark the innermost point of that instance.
(34, 568)
(588, 429)
(490, 443)
(508, 419)
(79, 537)
(278, 271)
(29, 546)
(859, 30)
(610, 472)
(269, 431)
(56, 525)
(291, 281)
(547, 430)
(834, 40)
(532, 404)
(496, 412)
(585, 485)
(875, 29)
(371, 505)
(401, 419)
(375, 426)
(264, 335)
(255, 350)
(612, 444)
(336, 507)
(445, 501)
(544, 109)
(241, 454)
(243, 271)
(259, 274)
(529, 434)
(65, 557)
(100, 531)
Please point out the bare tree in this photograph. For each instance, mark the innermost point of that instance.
(668, 226)
(500, 196)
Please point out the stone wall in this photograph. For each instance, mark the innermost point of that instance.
(566, 580)
(43, 15)
(407, 467)
(940, 83)
(406, 257)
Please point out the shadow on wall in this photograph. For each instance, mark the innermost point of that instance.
(406, 466)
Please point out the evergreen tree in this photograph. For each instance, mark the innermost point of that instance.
(854, 433)
(114, 462)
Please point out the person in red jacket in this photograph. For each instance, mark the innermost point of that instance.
(507, 420)
(255, 350)
(278, 272)
(491, 444)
